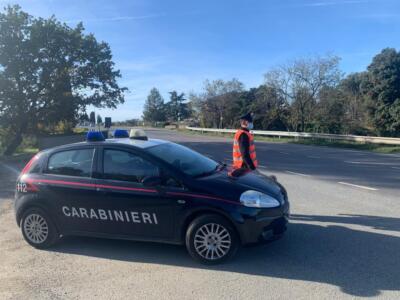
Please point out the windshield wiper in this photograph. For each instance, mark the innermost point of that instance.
(217, 168)
(220, 166)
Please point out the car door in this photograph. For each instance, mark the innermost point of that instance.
(69, 187)
(133, 209)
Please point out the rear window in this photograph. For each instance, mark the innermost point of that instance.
(71, 163)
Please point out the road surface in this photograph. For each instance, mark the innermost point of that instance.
(343, 241)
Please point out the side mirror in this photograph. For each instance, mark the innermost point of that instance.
(273, 177)
(152, 181)
(239, 172)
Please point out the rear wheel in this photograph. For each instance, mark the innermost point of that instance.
(38, 229)
(211, 239)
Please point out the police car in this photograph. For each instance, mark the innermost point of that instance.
(132, 187)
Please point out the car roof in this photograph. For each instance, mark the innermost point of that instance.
(137, 143)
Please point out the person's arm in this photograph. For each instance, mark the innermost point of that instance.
(244, 146)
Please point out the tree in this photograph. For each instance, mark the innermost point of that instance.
(382, 89)
(355, 119)
(84, 117)
(270, 109)
(154, 110)
(99, 120)
(300, 83)
(330, 111)
(176, 109)
(219, 103)
(92, 118)
(49, 73)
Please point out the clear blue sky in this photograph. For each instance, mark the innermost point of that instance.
(173, 44)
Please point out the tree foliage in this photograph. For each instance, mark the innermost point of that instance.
(92, 118)
(154, 108)
(219, 103)
(383, 91)
(300, 83)
(50, 73)
(355, 116)
(270, 108)
(176, 109)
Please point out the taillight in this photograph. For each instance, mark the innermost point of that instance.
(29, 165)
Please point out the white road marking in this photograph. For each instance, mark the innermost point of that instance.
(286, 153)
(397, 168)
(368, 163)
(300, 174)
(358, 186)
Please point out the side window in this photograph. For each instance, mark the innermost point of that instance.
(123, 165)
(35, 168)
(71, 162)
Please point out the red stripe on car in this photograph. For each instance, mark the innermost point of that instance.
(125, 188)
(202, 196)
(62, 182)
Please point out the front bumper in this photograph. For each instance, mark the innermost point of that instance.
(263, 225)
(253, 232)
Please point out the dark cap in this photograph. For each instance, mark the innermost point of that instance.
(248, 117)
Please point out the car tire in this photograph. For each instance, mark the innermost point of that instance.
(38, 229)
(211, 239)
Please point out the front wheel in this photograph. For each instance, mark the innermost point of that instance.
(211, 239)
(38, 229)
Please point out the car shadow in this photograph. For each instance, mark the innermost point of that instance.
(360, 263)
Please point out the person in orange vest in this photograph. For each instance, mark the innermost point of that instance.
(244, 151)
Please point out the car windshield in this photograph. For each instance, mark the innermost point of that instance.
(184, 159)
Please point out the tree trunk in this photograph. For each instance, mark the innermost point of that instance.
(13, 145)
(302, 118)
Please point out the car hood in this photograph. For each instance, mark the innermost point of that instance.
(224, 185)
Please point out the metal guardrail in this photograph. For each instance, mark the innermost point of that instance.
(325, 136)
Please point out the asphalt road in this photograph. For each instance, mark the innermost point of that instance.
(343, 241)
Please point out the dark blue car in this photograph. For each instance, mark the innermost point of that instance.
(149, 190)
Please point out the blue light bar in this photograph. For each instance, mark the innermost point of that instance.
(121, 133)
(94, 136)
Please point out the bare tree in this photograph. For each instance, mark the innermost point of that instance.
(300, 82)
(356, 114)
(216, 104)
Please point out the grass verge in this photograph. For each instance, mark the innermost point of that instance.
(379, 148)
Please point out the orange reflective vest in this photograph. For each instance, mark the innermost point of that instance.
(237, 155)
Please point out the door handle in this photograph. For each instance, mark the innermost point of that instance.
(181, 201)
(101, 190)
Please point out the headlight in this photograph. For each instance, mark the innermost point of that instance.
(257, 199)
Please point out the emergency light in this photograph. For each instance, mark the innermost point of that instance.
(138, 134)
(121, 133)
(94, 136)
